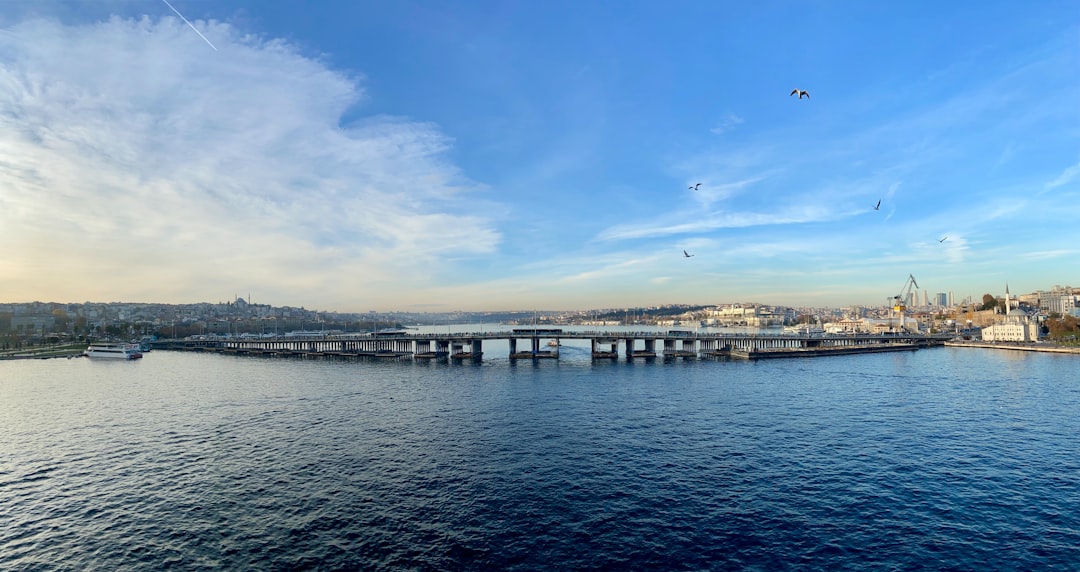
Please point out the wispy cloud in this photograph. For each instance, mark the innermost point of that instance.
(1048, 254)
(728, 123)
(1067, 176)
(610, 269)
(686, 222)
(710, 193)
(128, 157)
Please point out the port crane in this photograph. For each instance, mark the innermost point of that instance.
(899, 301)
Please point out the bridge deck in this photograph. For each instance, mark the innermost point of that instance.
(605, 344)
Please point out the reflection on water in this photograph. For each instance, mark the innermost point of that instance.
(946, 458)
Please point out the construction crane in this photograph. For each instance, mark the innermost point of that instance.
(899, 301)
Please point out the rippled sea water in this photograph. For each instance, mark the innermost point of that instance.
(941, 459)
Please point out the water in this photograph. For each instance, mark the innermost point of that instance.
(941, 459)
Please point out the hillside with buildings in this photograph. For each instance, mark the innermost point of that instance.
(1007, 317)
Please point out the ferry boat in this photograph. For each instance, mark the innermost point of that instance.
(113, 351)
(805, 329)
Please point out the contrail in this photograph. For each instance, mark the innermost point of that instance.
(188, 23)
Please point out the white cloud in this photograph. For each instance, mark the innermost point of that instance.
(1067, 176)
(1047, 254)
(609, 269)
(709, 193)
(727, 124)
(684, 223)
(136, 161)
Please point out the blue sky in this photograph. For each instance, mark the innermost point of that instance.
(536, 155)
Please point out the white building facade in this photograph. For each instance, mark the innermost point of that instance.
(1014, 328)
(1012, 331)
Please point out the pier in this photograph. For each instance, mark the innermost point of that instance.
(529, 343)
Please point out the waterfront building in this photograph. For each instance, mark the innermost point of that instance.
(846, 326)
(745, 315)
(1015, 330)
(1015, 327)
(891, 325)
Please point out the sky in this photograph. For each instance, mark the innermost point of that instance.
(479, 155)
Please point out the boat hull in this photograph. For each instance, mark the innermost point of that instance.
(113, 351)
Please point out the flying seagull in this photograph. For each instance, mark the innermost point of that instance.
(943, 239)
(877, 207)
(686, 254)
(801, 93)
(696, 186)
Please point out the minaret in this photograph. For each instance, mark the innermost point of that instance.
(1007, 304)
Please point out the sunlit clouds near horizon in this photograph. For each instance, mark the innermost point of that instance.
(368, 156)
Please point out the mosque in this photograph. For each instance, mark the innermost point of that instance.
(1016, 327)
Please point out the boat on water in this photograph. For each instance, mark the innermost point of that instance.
(554, 343)
(113, 351)
(805, 329)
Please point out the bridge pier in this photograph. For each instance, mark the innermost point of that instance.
(632, 351)
(535, 353)
(611, 353)
(423, 350)
(474, 349)
(680, 348)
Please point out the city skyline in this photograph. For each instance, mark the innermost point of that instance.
(416, 156)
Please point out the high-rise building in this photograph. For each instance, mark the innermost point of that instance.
(942, 299)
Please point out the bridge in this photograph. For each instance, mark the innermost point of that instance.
(528, 343)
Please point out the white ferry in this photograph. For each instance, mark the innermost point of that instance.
(805, 329)
(113, 351)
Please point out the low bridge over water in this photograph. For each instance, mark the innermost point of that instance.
(544, 343)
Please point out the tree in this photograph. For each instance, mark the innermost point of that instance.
(82, 325)
(989, 302)
(1064, 328)
(60, 320)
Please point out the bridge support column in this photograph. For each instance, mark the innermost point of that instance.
(611, 353)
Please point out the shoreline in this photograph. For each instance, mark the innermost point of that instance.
(44, 355)
(1015, 346)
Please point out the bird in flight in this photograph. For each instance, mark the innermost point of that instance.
(943, 239)
(686, 254)
(696, 186)
(801, 93)
(877, 207)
